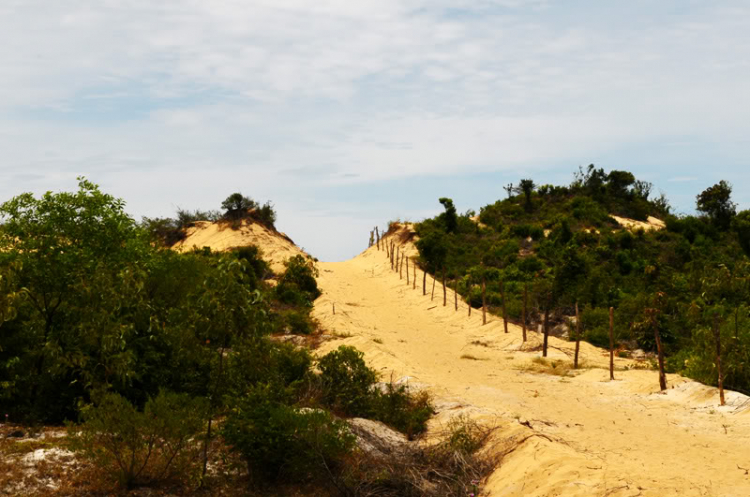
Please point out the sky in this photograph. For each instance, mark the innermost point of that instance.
(347, 114)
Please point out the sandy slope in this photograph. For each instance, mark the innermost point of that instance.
(589, 436)
(651, 223)
(276, 247)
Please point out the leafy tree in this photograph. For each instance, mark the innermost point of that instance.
(236, 205)
(741, 226)
(527, 187)
(54, 246)
(619, 182)
(716, 203)
(449, 217)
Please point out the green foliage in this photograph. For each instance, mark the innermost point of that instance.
(237, 207)
(716, 203)
(298, 285)
(449, 217)
(347, 381)
(141, 447)
(349, 387)
(281, 442)
(587, 258)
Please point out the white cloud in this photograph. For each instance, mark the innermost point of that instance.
(197, 95)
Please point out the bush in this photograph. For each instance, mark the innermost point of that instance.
(407, 413)
(142, 447)
(349, 388)
(347, 381)
(278, 441)
(298, 285)
(297, 322)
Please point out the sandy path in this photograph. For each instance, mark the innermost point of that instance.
(601, 438)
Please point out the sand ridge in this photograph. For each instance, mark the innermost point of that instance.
(578, 435)
(276, 246)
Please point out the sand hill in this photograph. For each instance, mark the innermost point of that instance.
(276, 246)
(578, 434)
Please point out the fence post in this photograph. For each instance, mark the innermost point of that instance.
(377, 236)
(424, 281)
(717, 337)
(407, 270)
(484, 302)
(659, 350)
(525, 301)
(546, 327)
(401, 267)
(414, 275)
(444, 294)
(505, 315)
(432, 296)
(611, 343)
(578, 337)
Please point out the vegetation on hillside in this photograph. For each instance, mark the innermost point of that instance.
(236, 209)
(163, 361)
(561, 244)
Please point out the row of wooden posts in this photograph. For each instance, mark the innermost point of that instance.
(398, 257)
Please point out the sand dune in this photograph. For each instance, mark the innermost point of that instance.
(651, 223)
(276, 246)
(578, 435)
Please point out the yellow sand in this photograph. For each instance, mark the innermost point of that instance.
(651, 223)
(276, 246)
(588, 436)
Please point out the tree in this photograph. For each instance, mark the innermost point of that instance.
(237, 205)
(449, 217)
(56, 246)
(527, 187)
(509, 189)
(618, 182)
(716, 203)
(741, 226)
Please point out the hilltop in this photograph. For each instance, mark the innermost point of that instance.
(219, 236)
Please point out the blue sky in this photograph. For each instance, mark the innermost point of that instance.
(348, 114)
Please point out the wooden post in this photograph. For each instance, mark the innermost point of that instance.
(717, 338)
(484, 302)
(455, 294)
(432, 296)
(611, 343)
(334, 308)
(372, 239)
(424, 281)
(407, 270)
(392, 255)
(401, 267)
(398, 254)
(387, 251)
(578, 337)
(414, 275)
(546, 327)
(502, 296)
(525, 302)
(659, 349)
(377, 236)
(445, 296)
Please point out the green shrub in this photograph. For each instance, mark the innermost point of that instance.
(142, 447)
(297, 285)
(297, 322)
(401, 410)
(278, 441)
(347, 381)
